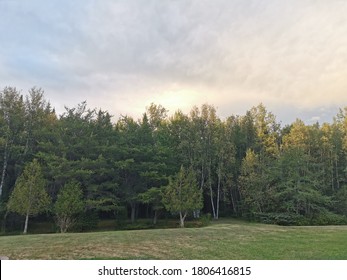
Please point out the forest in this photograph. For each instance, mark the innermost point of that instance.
(83, 166)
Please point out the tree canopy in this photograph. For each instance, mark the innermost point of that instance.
(242, 166)
(29, 196)
(183, 195)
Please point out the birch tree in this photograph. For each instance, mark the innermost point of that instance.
(68, 205)
(29, 196)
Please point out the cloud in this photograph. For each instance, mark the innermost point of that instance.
(123, 55)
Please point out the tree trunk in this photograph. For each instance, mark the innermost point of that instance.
(182, 218)
(202, 177)
(212, 202)
(26, 224)
(147, 211)
(211, 191)
(155, 218)
(337, 173)
(3, 174)
(133, 211)
(218, 193)
(196, 214)
(332, 172)
(63, 226)
(233, 200)
(63, 223)
(3, 226)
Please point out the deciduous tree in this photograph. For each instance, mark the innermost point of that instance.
(68, 205)
(29, 196)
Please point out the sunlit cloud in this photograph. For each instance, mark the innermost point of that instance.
(123, 55)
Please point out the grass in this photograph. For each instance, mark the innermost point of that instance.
(226, 239)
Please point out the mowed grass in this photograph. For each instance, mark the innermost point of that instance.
(221, 240)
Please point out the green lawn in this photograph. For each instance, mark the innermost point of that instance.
(221, 240)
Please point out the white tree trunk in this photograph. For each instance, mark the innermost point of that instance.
(218, 193)
(182, 218)
(3, 174)
(26, 223)
(211, 192)
(212, 202)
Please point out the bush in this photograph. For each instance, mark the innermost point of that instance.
(192, 224)
(206, 219)
(288, 219)
(86, 221)
(283, 219)
(328, 218)
(138, 225)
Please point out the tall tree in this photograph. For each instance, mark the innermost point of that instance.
(183, 195)
(267, 132)
(205, 134)
(68, 205)
(138, 166)
(39, 117)
(227, 168)
(12, 120)
(253, 183)
(29, 196)
(153, 196)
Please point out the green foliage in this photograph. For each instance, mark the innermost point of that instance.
(253, 182)
(29, 196)
(183, 195)
(243, 166)
(290, 219)
(152, 196)
(139, 225)
(86, 221)
(283, 219)
(205, 219)
(340, 199)
(68, 205)
(326, 217)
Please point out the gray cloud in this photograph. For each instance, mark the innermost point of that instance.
(122, 55)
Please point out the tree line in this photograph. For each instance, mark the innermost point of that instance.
(84, 164)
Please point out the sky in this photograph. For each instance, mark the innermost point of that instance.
(122, 55)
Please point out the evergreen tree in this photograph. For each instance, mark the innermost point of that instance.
(12, 143)
(153, 196)
(183, 195)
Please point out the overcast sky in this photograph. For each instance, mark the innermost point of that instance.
(122, 55)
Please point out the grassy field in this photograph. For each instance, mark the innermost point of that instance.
(221, 240)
